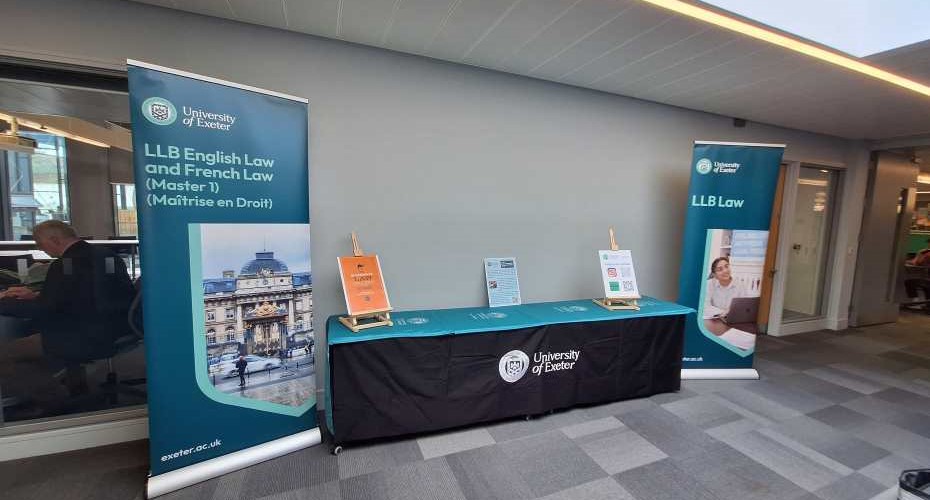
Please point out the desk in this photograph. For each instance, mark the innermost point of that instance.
(438, 369)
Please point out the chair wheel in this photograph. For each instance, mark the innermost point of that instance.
(337, 449)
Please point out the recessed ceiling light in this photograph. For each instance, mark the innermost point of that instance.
(807, 49)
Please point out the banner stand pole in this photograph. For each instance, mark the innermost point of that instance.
(208, 469)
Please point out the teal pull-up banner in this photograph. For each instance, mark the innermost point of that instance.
(222, 190)
(726, 235)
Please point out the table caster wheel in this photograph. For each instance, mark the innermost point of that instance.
(337, 449)
(528, 418)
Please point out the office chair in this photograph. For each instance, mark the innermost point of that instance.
(123, 344)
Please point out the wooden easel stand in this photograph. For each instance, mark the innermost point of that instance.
(618, 304)
(363, 321)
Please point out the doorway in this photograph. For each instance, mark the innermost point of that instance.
(801, 266)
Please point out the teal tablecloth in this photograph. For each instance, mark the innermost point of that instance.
(429, 323)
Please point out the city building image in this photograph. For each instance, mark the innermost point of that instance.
(258, 311)
(262, 309)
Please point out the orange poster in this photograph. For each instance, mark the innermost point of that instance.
(363, 285)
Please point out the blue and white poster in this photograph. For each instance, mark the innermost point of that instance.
(726, 235)
(223, 197)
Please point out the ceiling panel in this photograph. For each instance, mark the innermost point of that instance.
(626, 47)
(469, 22)
(521, 25)
(366, 21)
(415, 24)
(217, 8)
(581, 20)
(313, 16)
(701, 40)
(653, 38)
(264, 12)
(629, 23)
(687, 65)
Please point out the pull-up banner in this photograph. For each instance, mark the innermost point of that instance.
(222, 191)
(726, 235)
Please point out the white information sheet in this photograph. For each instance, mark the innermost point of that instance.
(618, 275)
(500, 276)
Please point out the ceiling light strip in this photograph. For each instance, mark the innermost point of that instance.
(758, 33)
(52, 130)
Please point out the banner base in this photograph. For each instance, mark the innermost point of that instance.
(719, 374)
(193, 474)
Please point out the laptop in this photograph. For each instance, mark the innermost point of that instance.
(742, 310)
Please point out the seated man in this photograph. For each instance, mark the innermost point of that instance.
(919, 282)
(82, 306)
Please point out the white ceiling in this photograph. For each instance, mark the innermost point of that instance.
(624, 47)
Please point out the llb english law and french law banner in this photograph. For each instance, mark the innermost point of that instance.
(726, 235)
(223, 200)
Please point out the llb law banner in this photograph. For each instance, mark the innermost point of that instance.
(726, 235)
(222, 192)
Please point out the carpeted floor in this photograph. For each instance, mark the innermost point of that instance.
(837, 415)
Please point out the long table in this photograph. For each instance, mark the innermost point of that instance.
(438, 369)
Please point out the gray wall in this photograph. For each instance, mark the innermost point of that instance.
(457, 163)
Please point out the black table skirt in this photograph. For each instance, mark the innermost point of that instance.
(407, 385)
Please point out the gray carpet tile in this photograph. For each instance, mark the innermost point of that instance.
(618, 450)
(909, 358)
(620, 407)
(551, 462)
(852, 487)
(836, 444)
(837, 415)
(592, 427)
(667, 432)
(913, 401)
(759, 404)
(485, 473)
(426, 480)
(663, 480)
(887, 470)
(788, 396)
(772, 368)
(324, 491)
(228, 486)
(728, 473)
(602, 489)
(538, 424)
(818, 387)
(702, 411)
(787, 462)
(438, 445)
(863, 344)
(371, 458)
(733, 429)
(846, 379)
(896, 439)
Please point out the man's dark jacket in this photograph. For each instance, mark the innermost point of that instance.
(82, 308)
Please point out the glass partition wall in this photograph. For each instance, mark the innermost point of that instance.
(71, 336)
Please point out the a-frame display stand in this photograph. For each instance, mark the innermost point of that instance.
(367, 319)
(629, 303)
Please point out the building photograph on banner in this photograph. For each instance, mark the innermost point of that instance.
(729, 306)
(257, 301)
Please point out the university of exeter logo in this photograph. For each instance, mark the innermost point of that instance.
(159, 111)
(513, 366)
(704, 166)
